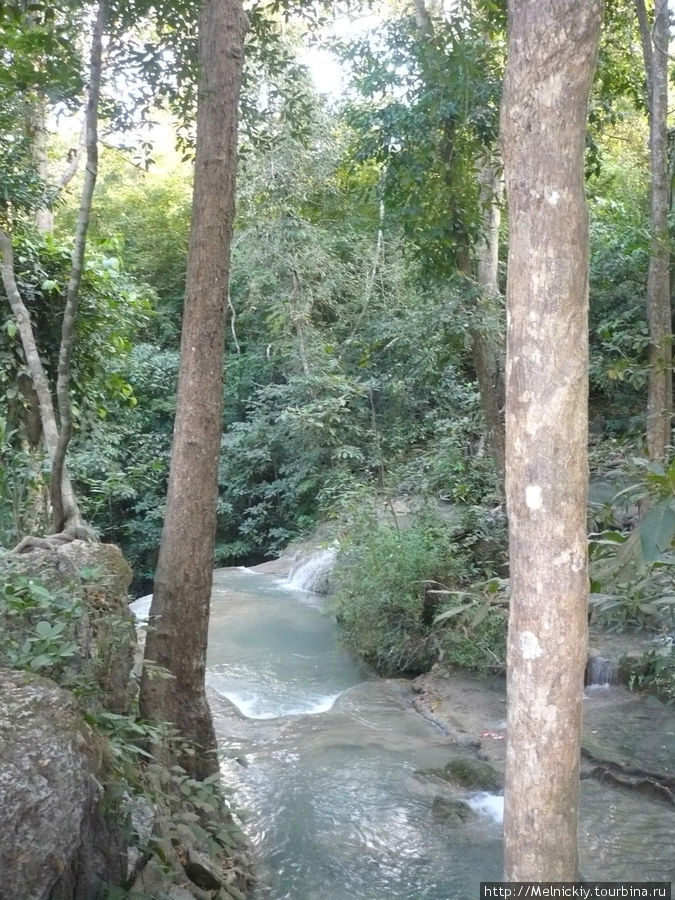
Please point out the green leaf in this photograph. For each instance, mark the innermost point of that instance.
(480, 616)
(41, 662)
(449, 613)
(657, 530)
(44, 630)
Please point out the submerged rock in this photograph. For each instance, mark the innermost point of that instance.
(472, 774)
(455, 812)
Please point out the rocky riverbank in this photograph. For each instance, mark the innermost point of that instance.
(627, 765)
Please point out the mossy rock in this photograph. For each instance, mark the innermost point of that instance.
(454, 812)
(97, 577)
(472, 774)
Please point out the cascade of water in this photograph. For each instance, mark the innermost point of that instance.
(141, 609)
(309, 572)
(601, 671)
(490, 805)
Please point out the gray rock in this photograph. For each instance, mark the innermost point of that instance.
(55, 842)
(203, 871)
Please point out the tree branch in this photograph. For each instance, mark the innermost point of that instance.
(74, 157)
(646, 40)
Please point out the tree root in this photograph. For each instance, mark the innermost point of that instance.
(53, 541)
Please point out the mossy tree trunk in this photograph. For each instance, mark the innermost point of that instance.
(552, 49)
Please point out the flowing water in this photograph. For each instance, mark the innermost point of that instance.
(334, 768)
(338, 808)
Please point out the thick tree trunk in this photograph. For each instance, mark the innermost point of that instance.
(179, 614)
(655, 43)
(552, 52)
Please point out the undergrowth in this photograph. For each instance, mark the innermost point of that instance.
(652, 672)
(398, 587)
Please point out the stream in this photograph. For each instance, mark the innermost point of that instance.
(335, 808)
(333, 768)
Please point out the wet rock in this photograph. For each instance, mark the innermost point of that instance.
(178, 892)
(469, 710)
(472, 774)
(454, 812)
(56, 844)
(465, 774)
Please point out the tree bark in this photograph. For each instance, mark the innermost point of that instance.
(488, 352)
(64, 504)
(36, 128)
(552, 49)
(179, 615)
(37, 373)
(655, 43)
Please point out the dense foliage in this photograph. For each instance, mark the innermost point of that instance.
(416, 589)
(350, 380)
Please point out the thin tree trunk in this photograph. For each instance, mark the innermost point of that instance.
(31, 353)
(64, 504)
(660, 394)
(423, 19)
(485, 356)
(37, 373)
(552, 53)
(179, 615)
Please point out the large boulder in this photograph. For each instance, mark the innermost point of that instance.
(56, 844)
(97, 577)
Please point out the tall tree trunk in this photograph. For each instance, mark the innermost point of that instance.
(65, 509)
(179, 614)
(552, 49)
(485, 356)
(487, 351)
(64, 504)
(655, 43)
(36, 128)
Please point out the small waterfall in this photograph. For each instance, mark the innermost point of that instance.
(141, 609)
(310, 573)
(490, 805)
(601, 671)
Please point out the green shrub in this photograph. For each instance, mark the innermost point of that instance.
(20, 480)
(652, 672)
(471, 629)
(632, 575)
(39, 628)
(393, 586)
